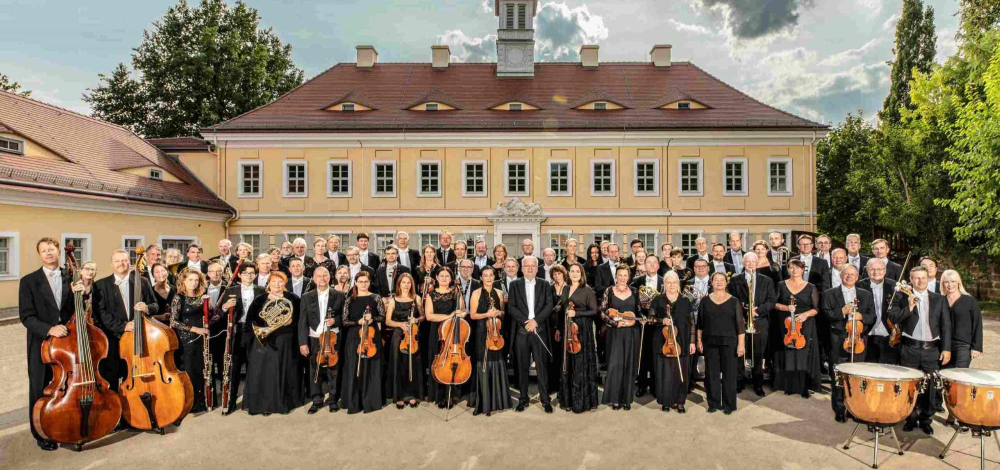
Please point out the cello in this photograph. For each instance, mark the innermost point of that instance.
(154, 393)
(793, 338)
(452, 365)
(77, 406)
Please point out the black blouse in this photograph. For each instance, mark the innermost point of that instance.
(720, 323)
(967, 322)
(187, 312)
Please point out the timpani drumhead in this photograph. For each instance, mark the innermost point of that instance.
(879, 371)
(983, 378)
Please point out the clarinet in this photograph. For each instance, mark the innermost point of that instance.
(207, 356)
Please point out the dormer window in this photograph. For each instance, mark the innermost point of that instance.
(431, 107)
(11, 146)
(156, 174)
(684, 105)
(348, 107)
(600, 106)
(515, 106)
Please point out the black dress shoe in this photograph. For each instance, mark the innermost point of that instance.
(712, 409)
(727, 412)
(804, 394)
(927, 429)
(759, 391)
(442, 405)
(641, 392)
(665, 408)
(400, 406)
(840, 418)
(627, 406)
(909, 426)
(228, 412)
(475, 412)
(414, 404)
(520, 407)
(47, 445)
(616, 407)
(313, 409)
(334, 407)
(547, 407)
(681, 409)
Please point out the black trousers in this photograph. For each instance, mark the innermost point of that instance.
(326, 374)
(242, 341)
(39, 375)
(927, 361)
(526, 346)
(961, 355)
(720, 375)
(837, 355)
(756, 353)
(879, 352)
(693, 369)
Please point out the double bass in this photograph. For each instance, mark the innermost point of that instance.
(77, 406)
(154, 393)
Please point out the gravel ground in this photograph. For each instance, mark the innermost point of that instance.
(777, 431)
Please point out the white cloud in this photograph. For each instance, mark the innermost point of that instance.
(688, 28)
(851, 55)
(946, 44)
(890, 23)
(874, 7)
(561, 30)
(486, 6)
(470, 49)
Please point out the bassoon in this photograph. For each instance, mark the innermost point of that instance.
(227, 357)
(206, 355)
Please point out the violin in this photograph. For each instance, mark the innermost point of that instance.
(327, 355)
(409, 344)
(571, 337)
(154, 393)
(494, 339)
(793, 338)
(366, 348)
(670, 348)
(452, 365)
(854, 343)
(623, 319)
(77, 406)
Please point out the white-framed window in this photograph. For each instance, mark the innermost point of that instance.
(251, 179)
(560, 178)
(338, 179)
(599, 237)
(779, 176)
(382, 241)
(734, 177)
(649, 240)
(427, 238)
(10, 250)
(516, 178)
(647, 178)
(9, 145)
(254, 239)
(130, 243)
(82, 244)
(291, 236)
(475, 181)
(383, 179)
(156, 174)
(295, 176)
(687, 240)
(429, 179)
(602, 177)
(689, 177)
(178, 242)
(557, 241)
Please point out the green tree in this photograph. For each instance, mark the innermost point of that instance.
(915, 48)
(845, 146)
(978, 16)
(196, 67)
(6, 84)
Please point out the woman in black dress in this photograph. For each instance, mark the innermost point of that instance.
(721, 331)
(797, 370)
(670, 380)
(622, 342)
(560, 296)
(362, 382)
(764, 265)
(187, 318)
(424, 278)
(591, 263)
(406, 373)
(966, 324)
(274, 384)
(579, 379)
(164, 292)
(491, 389)
(441, 304)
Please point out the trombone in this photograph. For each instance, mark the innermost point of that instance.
(751, 324)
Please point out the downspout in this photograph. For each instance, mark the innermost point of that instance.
(220, 167)
(666, 164)
(812, 177)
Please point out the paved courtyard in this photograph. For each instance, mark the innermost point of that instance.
(777, 431)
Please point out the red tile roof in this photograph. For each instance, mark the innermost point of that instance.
(168, 144)
(556, 88)
(94, 150)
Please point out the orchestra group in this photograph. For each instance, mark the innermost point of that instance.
(352, 330)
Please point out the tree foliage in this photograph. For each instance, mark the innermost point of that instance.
(196, 67)
(845, 147)
(8, 85)
(915, 48)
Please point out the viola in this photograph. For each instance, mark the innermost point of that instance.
(624, 319)
(572, 334)
(77, 406)
(793, 338)
(154, 393)
(452, 365)
(895, 334)
(854, 343)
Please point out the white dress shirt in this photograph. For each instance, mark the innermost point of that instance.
(297, 285)
(879, 328)
(465, 285)
(701, 283)
(835, 277)
(720, 266)
(246, 292)
(404, 256)
(855, 261)
(651, 282)
(931, 284)
(194, 265)
(808, 260)
(923, 330)
(213, 292)
(390, 272)
(849, 294)
(548, 270)
(122, 283)
(322, 296)
(55, 283)
(737, 260)
(262, 280)
(481, 261)
(363, 257)
(529, 293)
(355, 269)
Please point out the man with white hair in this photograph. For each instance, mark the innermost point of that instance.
(701, 246)
(838, 304)
(298, 252)
(765, 295)
(225, 257)
(549, 261)
(854, 257)
(407, 257)
(530, 306)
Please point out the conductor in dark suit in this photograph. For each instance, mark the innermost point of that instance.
(243, 337)
(530, 305)
(44, 304)
(321, 310)
(384, 286)
(925, 322)
(837, 306)
(764, 297)
(114, 304)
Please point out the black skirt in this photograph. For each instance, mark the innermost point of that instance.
(361, 386)
(403, 387)
(622, 356)
(578, 390)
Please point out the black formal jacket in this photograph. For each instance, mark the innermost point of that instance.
(439, 254)
(729, 256)
(308, 264)
(940, 317)
(453, 266)
(373, 260)
(36, 306)
(862, 265)
(730, 269)
(691, 259)
(412, 255)
(765, 295)
(892, 269)
(664, 267)
(832, 301)
(337, 257)
(310, 316)
(109, 305)
(819, 274)
(177, 268)
(307, 285)
(382, 287)
(604, 276)
(888, 290)
(239, 309)
(639, 281)
(233, 260)
(517, 306)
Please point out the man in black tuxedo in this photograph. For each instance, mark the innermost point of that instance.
(775, 240)
(333, 251)
(44, 304)
(226, 257)
(461, 250)
(408, 257)
(734, 255)
(765, 295)
(604, 275)
(464, 280)
(240, 298)
(193, 261)
(297, 282)
(852, 243)
(354, 264)
(701, 252)
(321, 310)
(505, 279)
(718, 263)
(877, 349)
(481, 259)
(366, 257)
(298, 252)
(113, 302)
(837, 306)
(385, 286)
(880, 248)
(530, 305)
(634, 246)
(445, 252)
(925, 321)
(653, 281)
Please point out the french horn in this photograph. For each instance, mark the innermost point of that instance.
(276, 314)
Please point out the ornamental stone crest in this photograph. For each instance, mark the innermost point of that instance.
(515, 208)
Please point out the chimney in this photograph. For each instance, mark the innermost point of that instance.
(367, 57)
(588, 56)
(660, 55)
(441, 57)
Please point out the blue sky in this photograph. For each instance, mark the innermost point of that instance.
(819, 59)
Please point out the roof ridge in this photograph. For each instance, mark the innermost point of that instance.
(755, 100)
